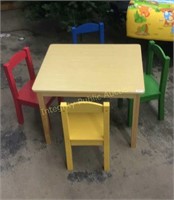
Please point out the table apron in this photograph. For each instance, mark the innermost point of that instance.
(90, 96)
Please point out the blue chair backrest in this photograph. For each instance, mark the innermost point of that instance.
(88, 28)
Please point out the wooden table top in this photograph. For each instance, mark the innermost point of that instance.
(87, 69)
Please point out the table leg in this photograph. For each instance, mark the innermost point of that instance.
(136, 106)
(44, 116)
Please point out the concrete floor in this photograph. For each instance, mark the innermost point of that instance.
(30, 169)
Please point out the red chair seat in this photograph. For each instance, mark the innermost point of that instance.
(28, 97)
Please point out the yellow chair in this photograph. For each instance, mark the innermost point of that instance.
(86, 124)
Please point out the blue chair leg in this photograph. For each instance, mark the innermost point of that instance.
(120, 103)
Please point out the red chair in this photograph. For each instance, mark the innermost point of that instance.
(24, 95)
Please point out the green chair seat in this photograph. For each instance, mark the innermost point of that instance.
(151, 87)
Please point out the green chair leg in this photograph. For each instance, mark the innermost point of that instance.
(161, 109)
(130, 112)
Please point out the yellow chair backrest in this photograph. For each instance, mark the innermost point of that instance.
(82, 106)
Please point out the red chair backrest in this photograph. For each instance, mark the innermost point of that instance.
(17, 58)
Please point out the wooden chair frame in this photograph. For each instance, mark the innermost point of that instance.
(86, 108)
(153, 89)
(88, 28)
(24, 95)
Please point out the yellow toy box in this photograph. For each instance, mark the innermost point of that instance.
(151, 19)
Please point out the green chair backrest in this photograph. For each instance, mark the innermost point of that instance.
(156, 50)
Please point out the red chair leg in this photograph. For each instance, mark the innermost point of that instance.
(19, 113)
(49, 121)
(60, 99)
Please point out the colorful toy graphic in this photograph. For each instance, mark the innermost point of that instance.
(168, 16)
(142, 30)
(151, 19)
(172, 21)
(144, 11)
(138, 18)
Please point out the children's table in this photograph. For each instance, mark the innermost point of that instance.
(91, 71)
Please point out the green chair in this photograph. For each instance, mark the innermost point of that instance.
(153, 89)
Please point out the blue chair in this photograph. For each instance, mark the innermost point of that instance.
(88, 28)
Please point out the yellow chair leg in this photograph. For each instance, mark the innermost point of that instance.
(106, 157)
(69, 157)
